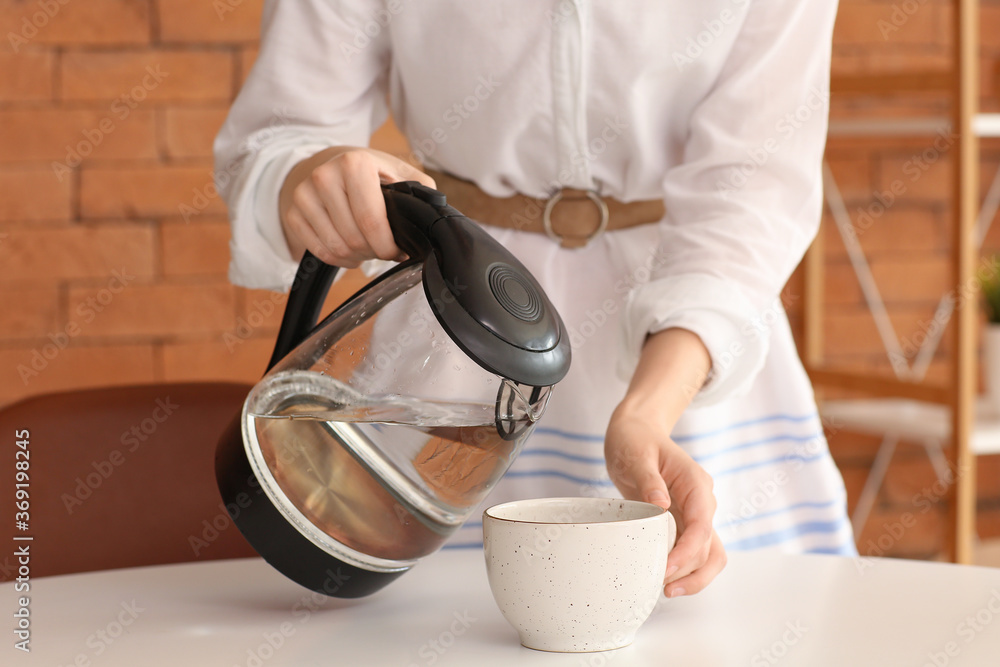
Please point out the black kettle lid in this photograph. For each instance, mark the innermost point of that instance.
(483, 297)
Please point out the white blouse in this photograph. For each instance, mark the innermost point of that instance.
(717, 106)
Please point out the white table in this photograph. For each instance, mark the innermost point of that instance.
(763, 610)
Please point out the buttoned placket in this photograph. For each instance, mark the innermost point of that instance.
(570, 33)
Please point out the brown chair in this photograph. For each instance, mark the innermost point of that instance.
(119, 477)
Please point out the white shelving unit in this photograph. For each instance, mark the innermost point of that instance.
(942, 417)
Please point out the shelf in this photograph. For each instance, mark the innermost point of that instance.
(915, 421)
(984, 125)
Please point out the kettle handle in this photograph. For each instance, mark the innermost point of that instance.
(411, 209)
(305, 302)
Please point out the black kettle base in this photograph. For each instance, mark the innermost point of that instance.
(275, 538)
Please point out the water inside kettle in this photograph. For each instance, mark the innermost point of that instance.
(386, 476)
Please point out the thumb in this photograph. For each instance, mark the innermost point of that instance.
(650, 484)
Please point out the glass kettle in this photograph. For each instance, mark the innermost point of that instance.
(377, 432)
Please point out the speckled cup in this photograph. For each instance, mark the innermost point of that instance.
(577, 574)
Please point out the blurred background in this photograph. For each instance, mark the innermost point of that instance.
(113, 240)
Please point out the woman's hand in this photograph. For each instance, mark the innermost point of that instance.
(332, 206)
(645, 464)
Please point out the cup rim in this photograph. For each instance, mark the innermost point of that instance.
(488, 513)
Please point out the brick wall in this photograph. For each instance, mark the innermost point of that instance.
(108, 109)
(907, 246)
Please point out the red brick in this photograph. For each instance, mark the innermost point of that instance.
(922, 538)
(41, 255)
(191, 250)
(988, 476)
(147, 76)
(71, 23)
(988, 524)
(851, 449)
(852, 174)
(29, 312)
(240, 360)
(261, 310)
(910, 474)
(841, 285)
(854, 481)
(903, 228)
(906, 278)
(215, 22)
(157, 310)
(76, 367)
(189, 132)
(26, 76)
(872, 26)
(67, 136)
(923, 173)
(853, 332)
(32, 193)
(880, 58)
(113, 192)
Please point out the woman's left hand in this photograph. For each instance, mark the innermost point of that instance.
(646, 464)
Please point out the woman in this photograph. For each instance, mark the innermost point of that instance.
(686, 389)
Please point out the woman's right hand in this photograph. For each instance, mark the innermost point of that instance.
(331, 205)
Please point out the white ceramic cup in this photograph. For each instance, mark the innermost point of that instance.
(577, 574)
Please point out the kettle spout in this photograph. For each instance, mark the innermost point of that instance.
(520, 403)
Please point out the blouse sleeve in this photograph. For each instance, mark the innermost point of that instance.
(745, 202)
(319, 81)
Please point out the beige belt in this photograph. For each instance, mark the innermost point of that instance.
(570, 217)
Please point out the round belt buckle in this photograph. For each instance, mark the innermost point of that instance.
(592, 195)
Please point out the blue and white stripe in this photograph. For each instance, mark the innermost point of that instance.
(759, 466)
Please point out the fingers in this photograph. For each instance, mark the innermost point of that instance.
(697, 508)
(338, 212)
(649, 483)
(368, 211)
(339, 229)
(700, 578)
